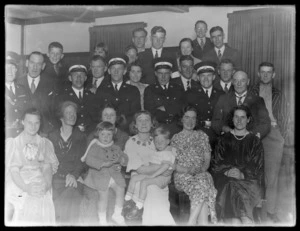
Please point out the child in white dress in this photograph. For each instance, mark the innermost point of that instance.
(165, 157)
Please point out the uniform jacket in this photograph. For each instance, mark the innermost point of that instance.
(179, 82)
(217, 85)
(42, 99)
(229, 53)
(280, 108)
(146, 60)
(15, 105)
(89, 82)
(198, 52)
(172, 99)
(87, 113)
(127, 100)
(226, 102)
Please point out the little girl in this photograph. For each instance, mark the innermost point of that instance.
(165, 158)
(104, 159)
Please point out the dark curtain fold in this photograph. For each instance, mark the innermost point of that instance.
(266, 35)
(117, 37)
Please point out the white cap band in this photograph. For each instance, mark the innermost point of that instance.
(163, 63)
(205, 67)
(116, 59)
(77, 66)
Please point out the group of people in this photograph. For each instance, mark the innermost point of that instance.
(100, 145)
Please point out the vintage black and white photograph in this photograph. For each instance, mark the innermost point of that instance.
(150, 115)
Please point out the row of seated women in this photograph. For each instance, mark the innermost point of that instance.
(67, 178)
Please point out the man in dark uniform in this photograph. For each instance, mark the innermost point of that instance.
(201, 44)
(40, 90)
(16, 99)
(97, 78)
(124, 97)
(221, 50)
(204, 98)
(164, 99)
(86, 114)
(55, 69)
(226, 71)
(146, 58)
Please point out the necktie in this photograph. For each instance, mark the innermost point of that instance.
(202, 43)
(11, 89)
(156, 55)
(188, 86)
(56, 69)
(226, 88)
(219, 55)
(165, 87)
(206, 92)
(80, 96)
(239, 101)
(95, 83)
(116, 87)
(32, 87)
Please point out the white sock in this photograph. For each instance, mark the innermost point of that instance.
(102, 217)
(118, 210)
(139, 204)
(128, 197)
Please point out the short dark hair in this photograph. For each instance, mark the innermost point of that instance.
(98, 57)
(120, 120)
(56, 45)
(32, 111)
(135, 63)
(36, 53)
(183, 111)
(215, 28)
(63, 105)
(248, 114)
(185, 40)
(201, 21)
(104, 125)
(266, 64)
(186, 57)
(162, 129)
(139, 29)
(156, 29)
(226, 61)
(102, 45)
(130, 47)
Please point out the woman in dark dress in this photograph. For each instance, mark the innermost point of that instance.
(69, 145)
(238, 170)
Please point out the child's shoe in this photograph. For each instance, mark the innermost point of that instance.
(135, 213)
(128, 205)
(118, 219)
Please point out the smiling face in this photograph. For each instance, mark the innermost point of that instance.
(98, 68)
(163, 75)
(186, 69)
(226, 72)
(200, 30)
(240, 82)
(10, 72)
(31, 124)
(105, 136)
(240, 120)
(135, 74)
(77, 78)
(161, 142)
(143, 123)
(117, 71)
(132, 55)
(35, 65)
(266, 74)
(217, 37)
(55, 55)
(189, 120)
(186, 48)
(69, 115)
(100, 51)
(206, 79)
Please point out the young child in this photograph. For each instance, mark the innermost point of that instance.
(164, 157)
(104, 159)
(135, 74)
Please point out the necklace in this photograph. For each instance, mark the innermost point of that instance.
(233, 133)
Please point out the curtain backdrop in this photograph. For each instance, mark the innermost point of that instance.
(266, 34)
(117, 37)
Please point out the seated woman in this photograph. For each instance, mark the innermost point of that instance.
(69, 144)
(238, 170)
(139, 149)
(192, 162)
(30, 164)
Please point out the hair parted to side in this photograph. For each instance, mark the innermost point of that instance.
(201, 21)
(266, 64)
(216, 28)
(162, 129)
(248, 114)
(132, 126)
(138, 30)
(156, 29)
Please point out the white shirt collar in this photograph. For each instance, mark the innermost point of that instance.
(243, 97)
(99, 80)
(223, 84)
(158, 51)
(77, 92)
(118, 84)
(12, 84)
(199, 40)
(222, 49)
(167, 85)
(207, 89)
(184, 81)
(36, 80)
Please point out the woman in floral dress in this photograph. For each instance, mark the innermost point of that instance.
(192, 162)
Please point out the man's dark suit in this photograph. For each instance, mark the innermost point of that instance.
(205, 106)
(126, 100)
(42, 99)
(229, 53)
(86, 113)
(198, 52)
(146, 60)
(217, 85)
(15, 105)
(256, 105)
(89, 82)
(179, 82)
(171, 99)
